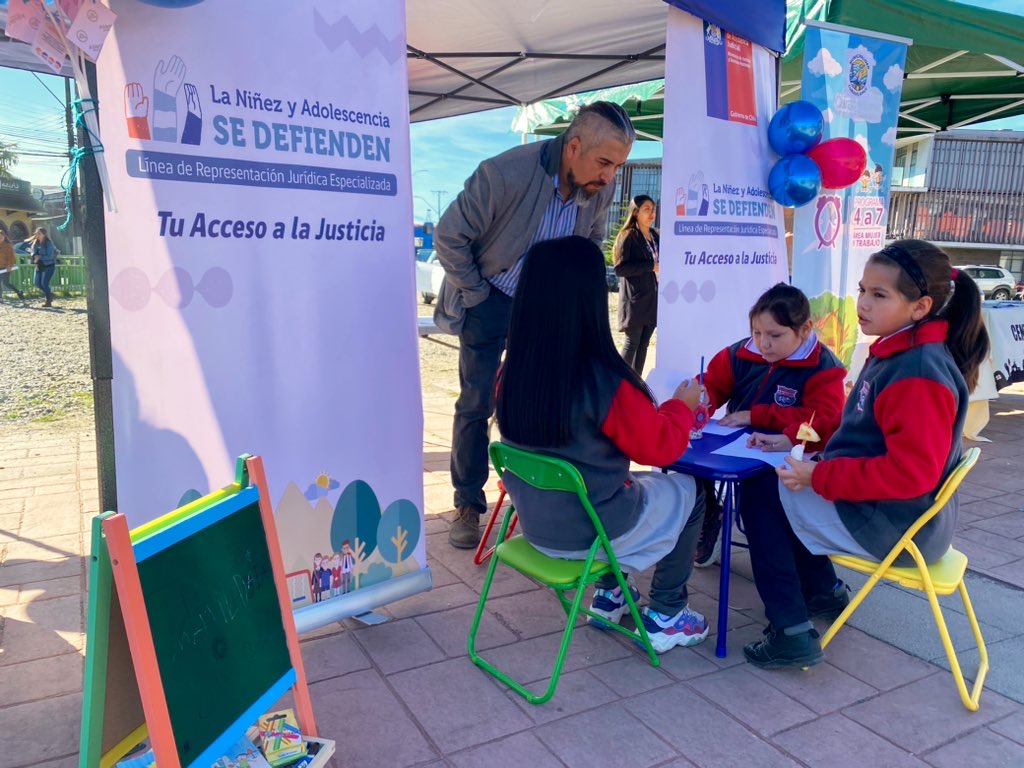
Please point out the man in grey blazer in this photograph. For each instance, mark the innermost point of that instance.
(530, 193)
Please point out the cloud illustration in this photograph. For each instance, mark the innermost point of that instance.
(893, 77)
(824, 63)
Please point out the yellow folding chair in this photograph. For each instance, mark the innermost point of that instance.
(940, 578)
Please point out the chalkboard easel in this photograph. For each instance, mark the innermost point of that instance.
(200, 640)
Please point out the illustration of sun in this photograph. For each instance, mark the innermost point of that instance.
(321, 484)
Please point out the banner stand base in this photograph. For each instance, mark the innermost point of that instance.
(370, 618)
(363, 600)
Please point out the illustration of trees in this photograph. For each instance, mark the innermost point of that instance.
(398, 532)
(356, 518)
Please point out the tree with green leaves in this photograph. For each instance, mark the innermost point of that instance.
(8, 159)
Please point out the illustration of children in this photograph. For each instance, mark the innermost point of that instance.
(348, 563)
(878, 177)
(336, 574)
(865, 179)
(325, 577)
(314, 577)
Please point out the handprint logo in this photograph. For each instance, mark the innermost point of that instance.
(193, 131)
(167, 80)
(697, 198)
(136, 111)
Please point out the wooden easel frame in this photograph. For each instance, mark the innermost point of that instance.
(126, 548)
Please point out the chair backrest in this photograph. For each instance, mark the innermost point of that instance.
(965, 465)
(546, 473)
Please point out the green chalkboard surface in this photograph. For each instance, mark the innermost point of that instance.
(217, 627)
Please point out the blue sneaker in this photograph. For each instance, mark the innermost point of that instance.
(611, 604)
(685, 628)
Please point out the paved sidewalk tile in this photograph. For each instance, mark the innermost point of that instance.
(838, 742)
(981, 749)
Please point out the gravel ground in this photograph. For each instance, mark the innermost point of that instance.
(44, 363)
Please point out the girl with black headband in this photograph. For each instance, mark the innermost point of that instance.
(898, 440)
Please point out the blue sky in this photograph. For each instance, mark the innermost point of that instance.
(444, 152)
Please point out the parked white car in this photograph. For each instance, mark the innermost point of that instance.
(995, 282)
(429, 274)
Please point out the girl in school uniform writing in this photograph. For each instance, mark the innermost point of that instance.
(773, 380)
(898, 440)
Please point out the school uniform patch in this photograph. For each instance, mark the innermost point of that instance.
(862, 396)
(785, 396)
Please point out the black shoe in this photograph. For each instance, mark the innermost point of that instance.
(709, 544)
(829, 605)
(465, 530)
(779, 650)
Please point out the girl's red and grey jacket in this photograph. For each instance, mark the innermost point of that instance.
(618, 424)
(782, 395)
(899, 438)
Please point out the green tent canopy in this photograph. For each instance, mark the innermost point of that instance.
(966, 65)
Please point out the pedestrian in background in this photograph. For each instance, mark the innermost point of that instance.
(636, 263)
(44, 256)
(8, 262)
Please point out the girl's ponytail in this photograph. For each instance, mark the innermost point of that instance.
(968, 340)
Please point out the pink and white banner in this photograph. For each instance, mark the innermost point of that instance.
(722, 237)
(260, 279)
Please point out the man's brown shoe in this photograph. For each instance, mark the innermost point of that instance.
(465, 530)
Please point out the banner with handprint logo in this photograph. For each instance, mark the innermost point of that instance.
(722, 236)
(856, 78)
(257, 266)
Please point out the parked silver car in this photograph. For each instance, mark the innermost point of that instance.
(995, 282)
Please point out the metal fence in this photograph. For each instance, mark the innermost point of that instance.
(68, 280)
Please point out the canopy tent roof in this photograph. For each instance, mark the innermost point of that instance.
(466, 56)
(966, 65)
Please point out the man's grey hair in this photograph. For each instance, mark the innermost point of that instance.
(600, 121)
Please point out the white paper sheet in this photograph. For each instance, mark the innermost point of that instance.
(663, 382)
(715, 428)
(738, 448)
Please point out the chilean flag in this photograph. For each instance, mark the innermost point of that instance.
(729, 76)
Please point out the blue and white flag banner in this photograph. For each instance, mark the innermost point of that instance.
(260, 280)
(856, 79)
(722, 237)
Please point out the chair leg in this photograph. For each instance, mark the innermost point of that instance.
(482, 550)
(563, 648)
(979, 680)
(850, 608)
(970, 700)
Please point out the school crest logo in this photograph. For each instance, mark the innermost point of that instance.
(862, 396)
(859, 74)
(713, 34)
(785, 396)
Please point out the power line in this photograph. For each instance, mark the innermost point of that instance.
(55, 96)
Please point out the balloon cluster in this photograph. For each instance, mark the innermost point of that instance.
(808, 163)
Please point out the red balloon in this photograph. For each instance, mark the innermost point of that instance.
(841, 161)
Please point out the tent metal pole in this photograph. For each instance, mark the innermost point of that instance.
(98, 308)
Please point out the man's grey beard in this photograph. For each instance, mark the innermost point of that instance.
(580, 193)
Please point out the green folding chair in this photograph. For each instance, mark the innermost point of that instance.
(551, 474)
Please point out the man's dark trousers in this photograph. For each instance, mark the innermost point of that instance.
(481, 342)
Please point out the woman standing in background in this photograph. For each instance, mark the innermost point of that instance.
(636, 263)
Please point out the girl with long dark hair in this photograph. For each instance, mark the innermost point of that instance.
(564, 391)
(898, 440)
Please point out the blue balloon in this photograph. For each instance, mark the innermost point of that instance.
(172, 3)
(795, 128)
(794, 180)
